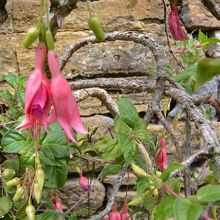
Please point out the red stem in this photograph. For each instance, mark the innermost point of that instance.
(169, 190)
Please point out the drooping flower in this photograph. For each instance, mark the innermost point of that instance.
(84, 182)
(124, 214)
(114, 214)
(37, 93)
(65, 107)
(175, 26)
(57, 204)
(161, 155)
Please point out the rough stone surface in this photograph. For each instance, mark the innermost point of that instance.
(129, 179)
(195, 16)
(72, 192)
(122, 195)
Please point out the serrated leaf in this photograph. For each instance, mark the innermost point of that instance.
(111, 150)
(14, 142)
(172, 166)
(209, 193)
(128, 147)
(5, 205)
(56, 175)
(110, 169)
(184, 209)
(128, 112)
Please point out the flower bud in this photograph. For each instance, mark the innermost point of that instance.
(39, 177)
(57, 204)
(138, 171)
(49, 40)
(84, 182)
(114, 214)
(8, 174)
(96, 26)
(31, 36)
(19, 193)
(30, 211)
(15, 181)
(37, 192)
(124, 214)
(155, 192)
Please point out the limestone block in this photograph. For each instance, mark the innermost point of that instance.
(195, 16)
(122, 195)
(7, 54)
(115, 15)
(129, 179)
(71, 193)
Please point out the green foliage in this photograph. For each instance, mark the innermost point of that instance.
(5, 205)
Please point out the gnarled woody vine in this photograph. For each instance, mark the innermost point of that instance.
(160, 84)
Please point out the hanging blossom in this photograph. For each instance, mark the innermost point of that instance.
(84, 182)
(114, 214)
(161, 155)
(57, 204)
(65, 107)
(124, 214)
(37, 95)
(174, 24)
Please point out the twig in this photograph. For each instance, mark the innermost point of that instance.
(112, 197)
(101, 94)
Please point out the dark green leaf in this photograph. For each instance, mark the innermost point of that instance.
(128, 147)
(12, 80)
(111, 150)
(142, 185)
(128, 113)
(49, 215)
(120, 126)
(209, 193)
(184, 209)
(165, 208)
(14, 142)
(110, 169)
(6, 95)
(5, 205)
(56, 175)
(21, 213)
(12, 164)
(141, 131)
(172, 166)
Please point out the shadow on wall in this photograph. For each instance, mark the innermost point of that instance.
(3, 12)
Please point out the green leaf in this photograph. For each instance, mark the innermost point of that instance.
(128, 113)
(6, 95)
(12, 164)
(165, 208)
(12, 80)
(128, 147)
(111, 150)
(14, 142)
(142, 185)
(56, 175)
(120, 126)
(21, 213)
(184, 209)
(5, 205)
(202, 37)
(172, 166)
(209, 193)
(141, 131)
(150, 201)
(49, 215)
(110, 169)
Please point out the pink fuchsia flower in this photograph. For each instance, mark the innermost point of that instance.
(161, 155)
(37, 93)
(175, 26)
(65, 107)
(84, 182)
(124, 214)
(57, 204)
(114, 214)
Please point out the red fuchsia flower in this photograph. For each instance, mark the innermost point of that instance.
(124, 214)
(57, 204)
(161, 155)
(37, 94)
(84, 182)
(114, 214)
(65, 107)
(175, 26)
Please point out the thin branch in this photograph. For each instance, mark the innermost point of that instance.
(101, 94)
(111, 200)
